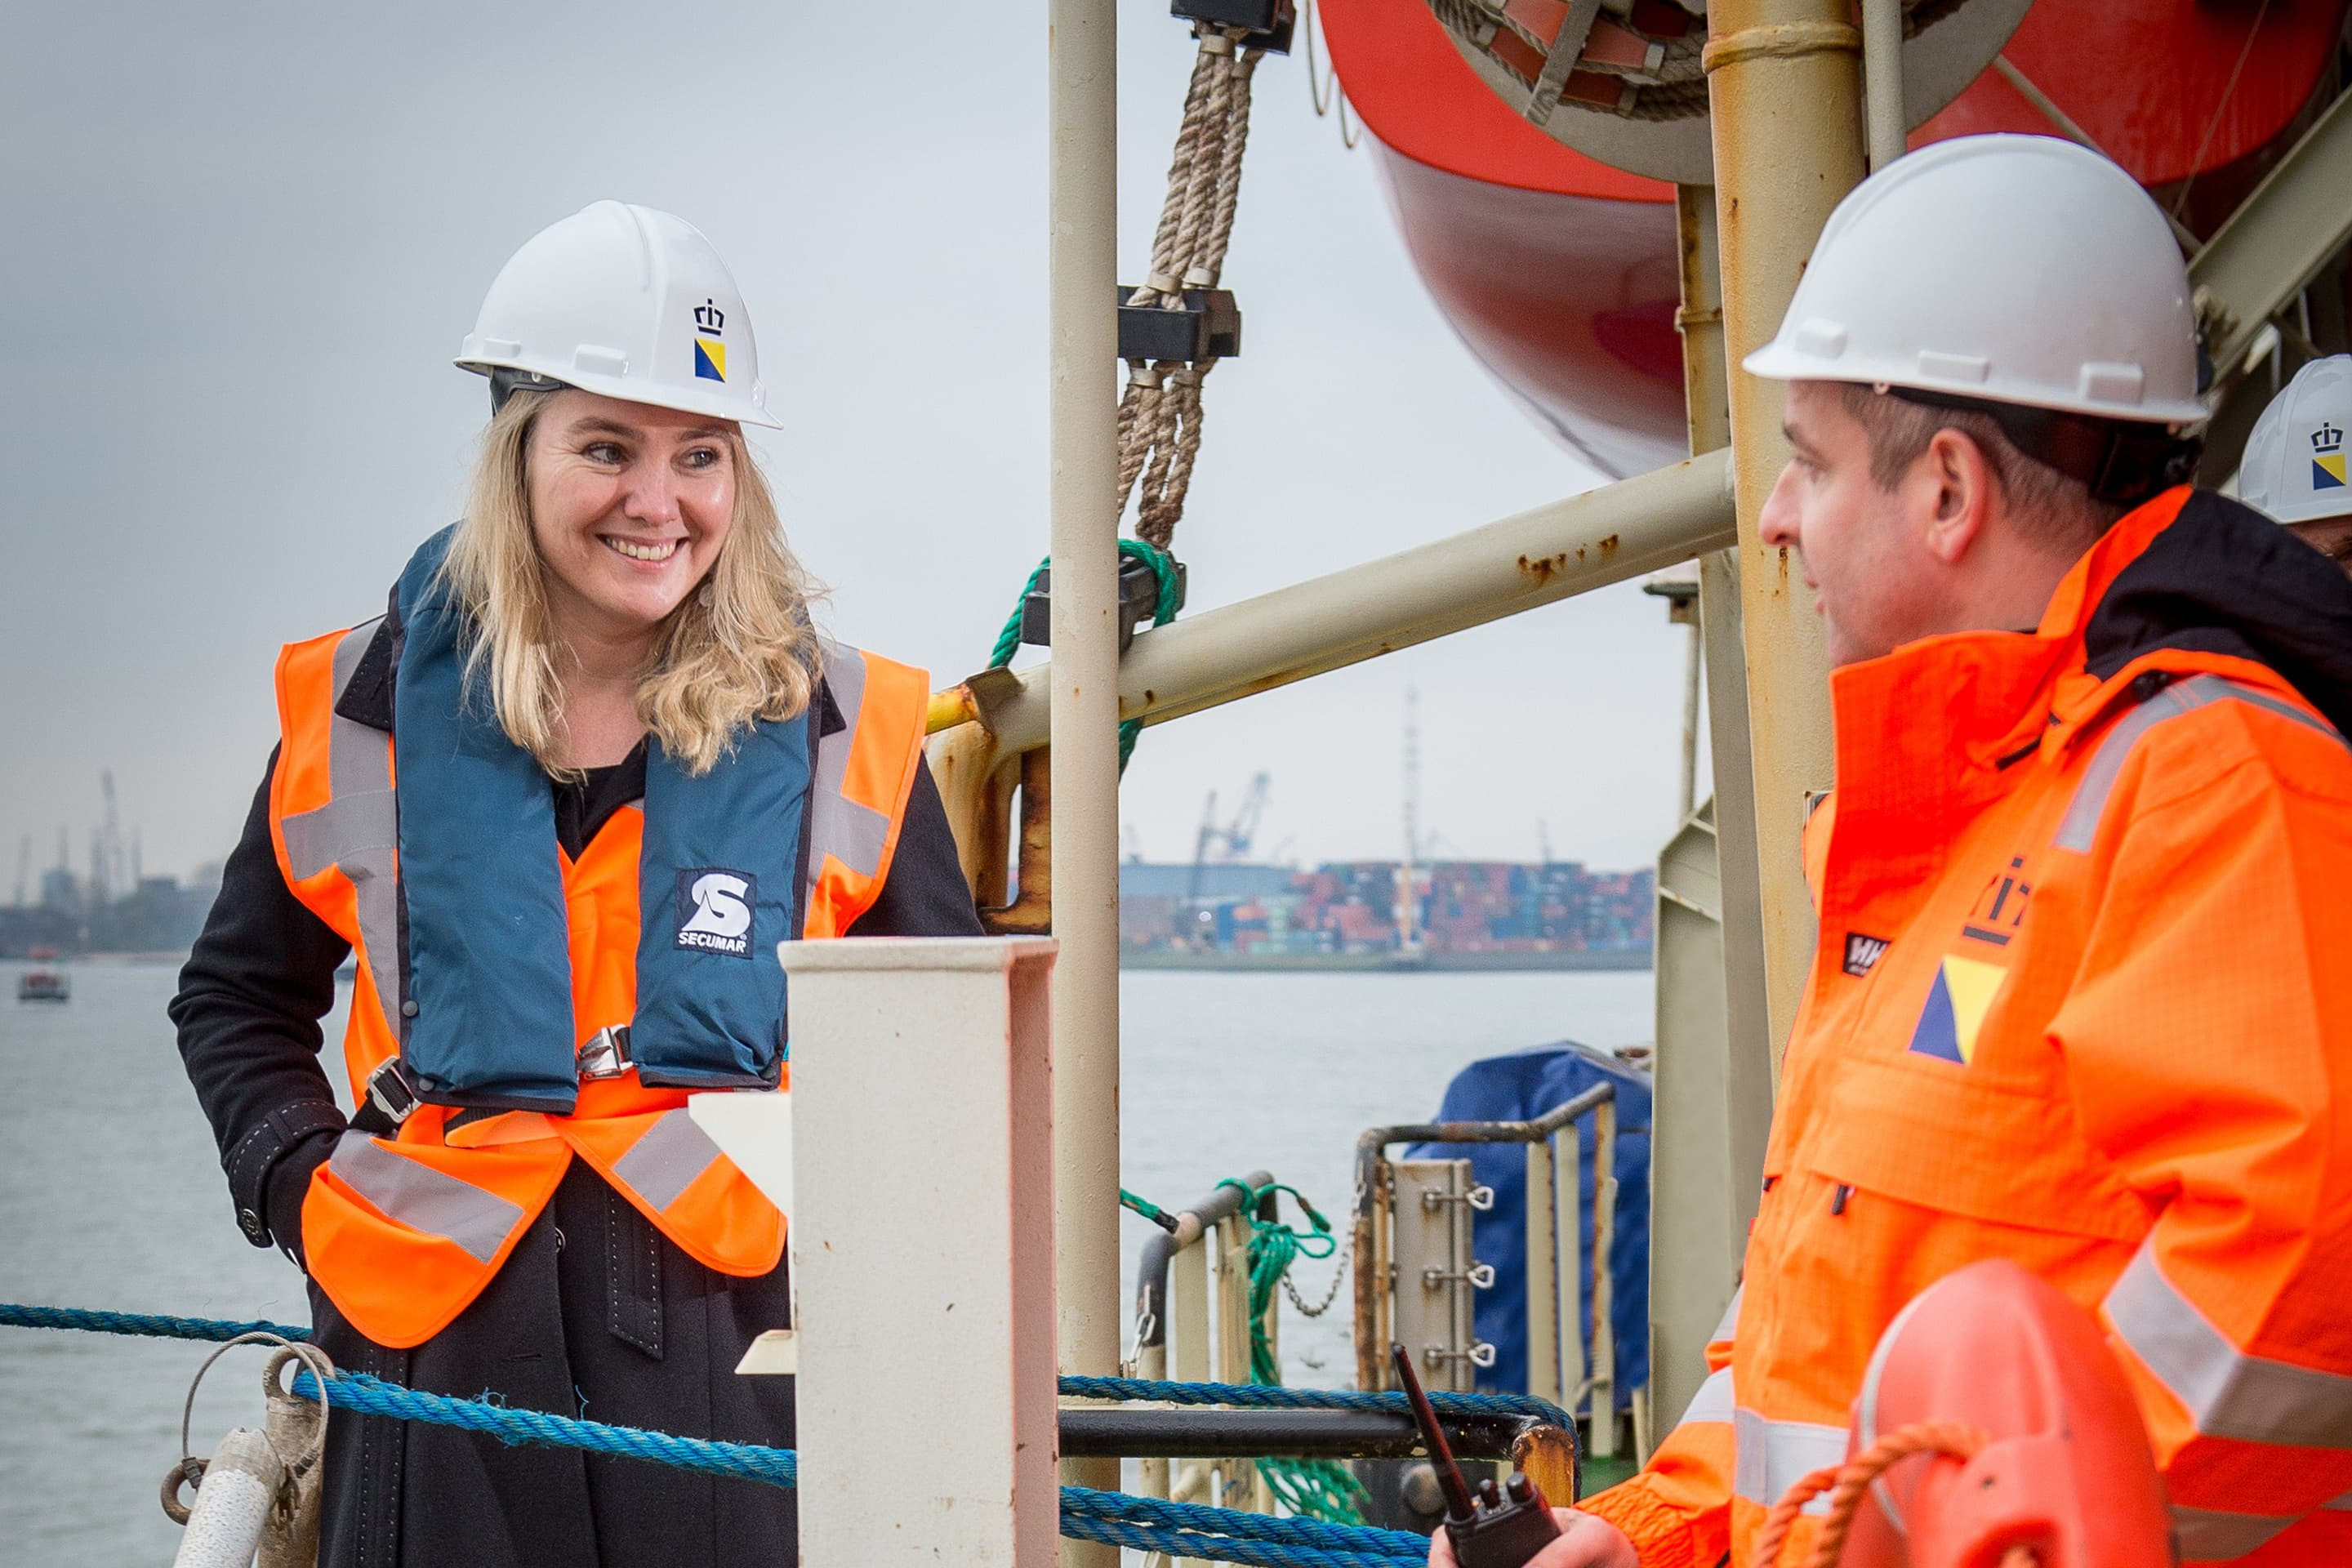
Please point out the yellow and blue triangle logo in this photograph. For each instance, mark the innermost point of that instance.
(709, 360)
(1957, 1006)
(2327, 472)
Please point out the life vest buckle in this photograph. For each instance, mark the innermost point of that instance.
(391, 1099)
(606, 1053)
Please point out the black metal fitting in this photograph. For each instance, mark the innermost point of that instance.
(1269, 21)
(1139, 602)
(1132, 1431)
(1208, 327)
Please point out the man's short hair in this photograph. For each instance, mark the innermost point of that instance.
(2053, 509)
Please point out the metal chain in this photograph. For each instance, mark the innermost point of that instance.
(1338, 1272)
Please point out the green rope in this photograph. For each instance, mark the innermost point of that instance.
(1163, 610)
(1149, 1210)
(1314, 1489)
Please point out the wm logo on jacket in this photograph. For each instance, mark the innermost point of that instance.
(1956, 1009)
(714, 912)
(1863, 953)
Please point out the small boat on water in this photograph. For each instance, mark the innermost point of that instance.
(44, 982)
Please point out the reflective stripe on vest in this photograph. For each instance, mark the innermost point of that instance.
(2226, 1392)
(1715, 1401)
(2080, 828)
(2213, 1535)
(2209, 1535)
(850, 831)
(431, 1203)
(1773, 1456)
(356, 831)
(665, 1160)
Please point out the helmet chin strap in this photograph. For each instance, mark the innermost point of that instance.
(505, 382)
(2123, 461)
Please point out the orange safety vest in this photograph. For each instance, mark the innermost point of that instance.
(2082, 999)
(402, 1232)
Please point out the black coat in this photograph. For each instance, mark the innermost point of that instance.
(594, 1313)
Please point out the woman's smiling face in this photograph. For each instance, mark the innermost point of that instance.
(630, 506)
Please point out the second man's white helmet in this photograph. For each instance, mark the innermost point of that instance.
(2010, 269)
(2293, 467)
(627, 302)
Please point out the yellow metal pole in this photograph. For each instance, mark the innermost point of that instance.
(1784, 89)
(1714, 1074)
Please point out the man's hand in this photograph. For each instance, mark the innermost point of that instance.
(1586, 1541)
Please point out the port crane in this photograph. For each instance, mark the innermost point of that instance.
(1231, 841)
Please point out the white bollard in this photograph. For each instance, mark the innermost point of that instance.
(921, 1233)
(232, 1504)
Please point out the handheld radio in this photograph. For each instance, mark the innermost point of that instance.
(1496, 1527)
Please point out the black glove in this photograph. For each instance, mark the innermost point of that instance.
(269, 1170)
(288, 1183)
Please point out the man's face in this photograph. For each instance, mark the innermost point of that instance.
(1862, 548)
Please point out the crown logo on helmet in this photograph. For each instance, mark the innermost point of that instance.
(709, 318)
(2327, 438)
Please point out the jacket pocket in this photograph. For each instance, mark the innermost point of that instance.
(1931, 1135)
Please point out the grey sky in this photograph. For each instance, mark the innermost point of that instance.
(244, 242)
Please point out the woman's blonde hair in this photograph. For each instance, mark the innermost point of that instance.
(738, 648)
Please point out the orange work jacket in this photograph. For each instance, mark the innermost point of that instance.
(402, 1232)
(2083, 999)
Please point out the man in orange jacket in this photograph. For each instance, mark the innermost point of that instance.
(2081, 997)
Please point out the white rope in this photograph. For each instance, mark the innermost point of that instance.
(1160, 408)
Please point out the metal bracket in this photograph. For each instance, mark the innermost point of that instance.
(1270, 22)
(1207, 327)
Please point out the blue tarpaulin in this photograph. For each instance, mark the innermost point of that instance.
(1518, 1088)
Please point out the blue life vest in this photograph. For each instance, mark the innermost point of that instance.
(487, 951)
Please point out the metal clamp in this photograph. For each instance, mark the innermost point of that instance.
(1481, 1355)
(1480, 1198)
(604, 1054)
(1480, 1275)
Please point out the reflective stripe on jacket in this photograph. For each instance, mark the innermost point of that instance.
(403, 1232)
(2080, 1000)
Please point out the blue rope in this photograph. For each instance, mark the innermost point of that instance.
(1081, 1502)
(1242, 1395)
(515, 1425)
(1183, 1543)
(1253, 1395)
(1148, 1524)
(149, 1324)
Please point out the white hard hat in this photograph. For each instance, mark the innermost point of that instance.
(627, 302)
(2005, 270)
(2294, 466)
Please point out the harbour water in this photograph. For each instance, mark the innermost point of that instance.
(111, 1195)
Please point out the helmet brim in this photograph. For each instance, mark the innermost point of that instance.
(716, 405)
(1780, 360)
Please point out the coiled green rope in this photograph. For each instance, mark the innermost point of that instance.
(1163, 610)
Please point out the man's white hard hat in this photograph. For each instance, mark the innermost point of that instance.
(627, 302)
(2293, 467)
(2009, 270)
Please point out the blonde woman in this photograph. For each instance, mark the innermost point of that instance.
(560, 801)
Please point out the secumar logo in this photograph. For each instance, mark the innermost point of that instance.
(710, 341)
(714, 911)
